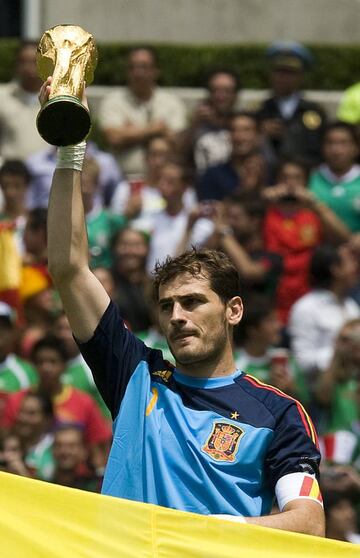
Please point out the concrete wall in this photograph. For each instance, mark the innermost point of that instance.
(208, 21)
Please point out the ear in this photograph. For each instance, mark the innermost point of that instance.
(234, 310)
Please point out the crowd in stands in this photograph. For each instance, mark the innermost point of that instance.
(277, 189)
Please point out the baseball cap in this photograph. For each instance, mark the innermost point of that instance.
(289, 55)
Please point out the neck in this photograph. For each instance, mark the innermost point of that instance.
(213, 367)
(341, 171)
(339, 290)
(64, 477)
(143, 93)
(174, 207)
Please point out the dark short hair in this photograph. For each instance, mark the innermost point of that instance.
(323, 258)
(297, 162)
(340, 125)
(212, 264)
(38, 218)
(45, 402)
(151, 50)
(258, 307)
(246, 114)
(49, 342)
(251, 202)
(15, 167)
(222, 70)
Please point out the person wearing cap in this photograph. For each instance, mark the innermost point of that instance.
(15, 373)
(292, 124)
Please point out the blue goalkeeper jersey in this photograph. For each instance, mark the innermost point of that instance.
(209, 446)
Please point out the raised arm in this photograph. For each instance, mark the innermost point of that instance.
(84, 298)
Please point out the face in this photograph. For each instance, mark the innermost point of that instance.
(142, 71)
(349, 342)
(340, 150)
(26, 65)
(130, 251)
(50, 366)
(171, 183)
(11, 450)
(292, 175)
(244, 136)
(342, 517)
(222, 92)
(284, 81)
(34, 238)
(63, 331)
(253, 171)
(346, 272)
(268, 330)
(89, 186)
(194, 320)
(156, 155)
(14, 189)
(31, 420)
(242, 224)
(69, 450)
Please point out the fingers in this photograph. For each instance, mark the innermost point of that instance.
(45, 91)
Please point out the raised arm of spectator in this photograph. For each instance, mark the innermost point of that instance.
(84, 298)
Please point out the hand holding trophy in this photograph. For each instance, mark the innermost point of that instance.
(69, 55)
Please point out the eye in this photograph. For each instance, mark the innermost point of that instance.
(165, 307)
(191, 302)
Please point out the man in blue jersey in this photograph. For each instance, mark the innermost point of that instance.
(200, 436)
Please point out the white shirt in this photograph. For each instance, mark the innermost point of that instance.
(315, 320)
(168, 231)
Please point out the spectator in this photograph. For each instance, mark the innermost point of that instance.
(129, 118)
(70, 456)
(42, 165)
(77, 372)
(101, 225)
(175, 228)
(338, 385)
(19, 107)
(337, 181)
(106, 279)
(130, 250)
(295, 223)
(70, 404)
(206, 142)
(15, 373)
(139, 200)
(14, 181)
(257, 340)
(224, 179)
(238, 233)
(12, 455)
(292, 124)
(316, 318)
(33, 424)
(341, 519)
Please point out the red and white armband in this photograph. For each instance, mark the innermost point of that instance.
(297, 485)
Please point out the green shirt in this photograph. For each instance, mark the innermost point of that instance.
(342, 198)
(154, 340)
(344, 409)
(16, 374)
(78, 375)
(40, 458)
(101, 227)
(260, 367)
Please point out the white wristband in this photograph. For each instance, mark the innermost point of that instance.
(71, 156)
(234, 518)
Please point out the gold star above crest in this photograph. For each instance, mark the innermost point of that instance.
(234, 415)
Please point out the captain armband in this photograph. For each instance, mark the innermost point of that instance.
(297, 485)
(71, 156)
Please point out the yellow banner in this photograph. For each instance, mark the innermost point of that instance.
(41, 520)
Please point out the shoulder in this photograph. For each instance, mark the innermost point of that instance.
(163, 95)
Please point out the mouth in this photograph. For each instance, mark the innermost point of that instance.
(182, 336)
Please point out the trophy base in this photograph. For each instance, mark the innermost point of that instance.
(63, 121)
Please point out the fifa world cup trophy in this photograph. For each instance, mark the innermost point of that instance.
(69, 54)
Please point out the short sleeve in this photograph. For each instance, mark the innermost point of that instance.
(294, 446)
(113, 354)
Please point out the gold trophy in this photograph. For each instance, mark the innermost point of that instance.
(69, 55)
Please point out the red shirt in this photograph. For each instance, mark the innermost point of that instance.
(70, 406)
(294, 237)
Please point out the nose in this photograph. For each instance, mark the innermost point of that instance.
(177, 315)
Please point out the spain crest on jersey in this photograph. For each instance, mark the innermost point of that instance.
(223, 442)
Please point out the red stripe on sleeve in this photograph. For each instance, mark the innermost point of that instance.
(306, 486)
